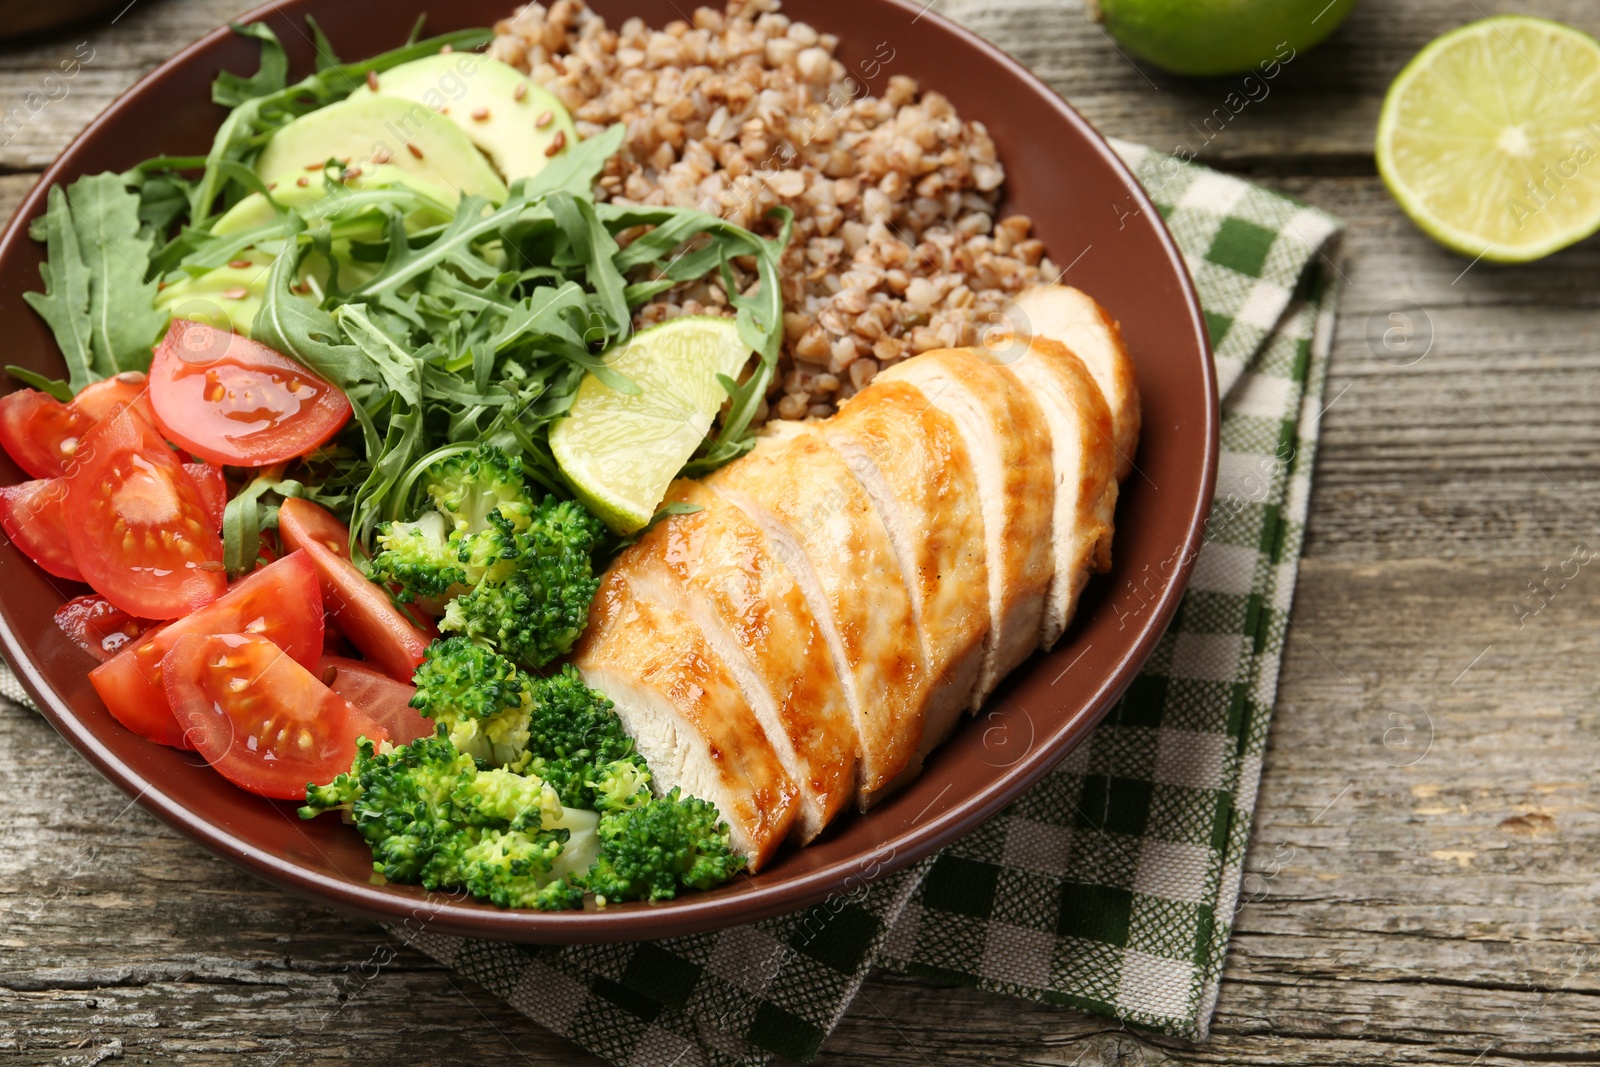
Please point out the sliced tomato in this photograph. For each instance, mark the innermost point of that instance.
(213, 490)
(361, 609)
(234, 402)
(31, 514)
(381, 698)
(261, 719)
(98, 398)
(41, 433)
(282, 602)
(137, 523)
(98, 626)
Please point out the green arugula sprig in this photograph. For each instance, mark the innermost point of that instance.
(482, 329)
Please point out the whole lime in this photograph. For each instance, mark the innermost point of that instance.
(1207, 37)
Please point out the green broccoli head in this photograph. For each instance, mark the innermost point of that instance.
(533, 616)
(478, 699)
(619, 785)
(420, 558)
(432, 815)
(571, 732)
(468, 487)
(651, 850)
(517, 575)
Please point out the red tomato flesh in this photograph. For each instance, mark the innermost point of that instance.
(280, 602)
(261, 719)
(361, 609)
(213, 490)
(381, 698)
(33, 517)
(137, 523)
(98, 626)
(237, 403)
(41, 433)
(98, 398)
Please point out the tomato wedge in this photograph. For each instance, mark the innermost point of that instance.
(381, 698)
(98, 626)
(41, 433)
(213, 490)
(361, 609)
(138, 525)
(281, 602)
(97, 399)
(33, 517)
(261, 719)
(234, 402)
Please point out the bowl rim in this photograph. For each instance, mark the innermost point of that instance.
(697, 912)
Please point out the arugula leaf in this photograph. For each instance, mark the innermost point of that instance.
(297, 326)
(64, 304)
(231, 90)
(53, 386)
(124, 323)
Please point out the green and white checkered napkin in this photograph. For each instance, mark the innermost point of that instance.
(1111, 885)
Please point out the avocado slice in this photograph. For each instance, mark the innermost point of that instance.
(381, 129)
(228, 297)
(493, 103)
(255, 210)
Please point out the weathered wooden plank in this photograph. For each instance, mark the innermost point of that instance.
(1321, 105)
(1414, 913)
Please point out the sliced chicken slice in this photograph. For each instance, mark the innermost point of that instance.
(821, 525)
(910, 458)
(1072, 317)
(1009, 442)
(1086, 489)
(681, 705)
(750, 609)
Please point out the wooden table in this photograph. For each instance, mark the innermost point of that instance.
(1423, 886)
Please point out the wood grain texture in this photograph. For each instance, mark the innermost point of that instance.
(1422, 884)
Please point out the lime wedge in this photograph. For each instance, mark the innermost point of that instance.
(1490, 138)
(620, 452)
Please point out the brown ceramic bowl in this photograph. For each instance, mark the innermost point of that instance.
(1090, 213)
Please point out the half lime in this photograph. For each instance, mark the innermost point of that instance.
(621, 451)
(1490, 138)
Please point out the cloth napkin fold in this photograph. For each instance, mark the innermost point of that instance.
(1111, 885)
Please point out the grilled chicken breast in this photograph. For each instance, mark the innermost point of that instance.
(679, 702)
(911, 460)
(812, 631)
(1084, 460)
(822, 525)
(1072, 317)
(1006, 435)
(753, 612)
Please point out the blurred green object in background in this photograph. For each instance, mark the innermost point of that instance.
(1209, 37)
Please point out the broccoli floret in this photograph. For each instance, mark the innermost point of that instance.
(432, 815)
(534, 615)
(518, 575)
(420, 558)
(620, 785)
(478, 698)
(468, 487)
(573, 731)
(649, 851)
